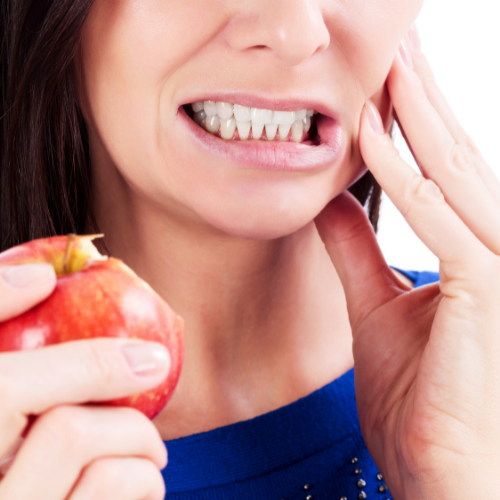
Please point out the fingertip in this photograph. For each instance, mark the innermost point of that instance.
(29, 276)
(147, 359)
(24, 286)
(371, 116)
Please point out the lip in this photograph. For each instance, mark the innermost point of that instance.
(261, 102)
(271, 155)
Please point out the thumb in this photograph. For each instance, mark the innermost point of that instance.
(24, 286)
(351, 243)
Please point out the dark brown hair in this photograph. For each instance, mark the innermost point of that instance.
(45, 184)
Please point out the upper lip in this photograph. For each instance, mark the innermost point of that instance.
(255, 100)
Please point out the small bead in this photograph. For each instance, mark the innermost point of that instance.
(357, 471)
(309, 497)
(354, 460)
(382, 488)
(362, 496)
(379, 476)
(343, 498)
(307, 487)
(361, 483)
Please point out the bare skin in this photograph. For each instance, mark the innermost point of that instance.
(276, 270)
(235, 284)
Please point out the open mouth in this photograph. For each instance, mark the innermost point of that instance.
(233, 122)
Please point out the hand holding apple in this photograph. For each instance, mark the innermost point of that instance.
(69, 449)
(95, 296)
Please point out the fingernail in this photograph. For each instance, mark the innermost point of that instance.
(374, 117)
(28, 275)
(404, 51)
(414, 38)
(147, 359)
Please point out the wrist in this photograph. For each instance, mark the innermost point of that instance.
(457, 484)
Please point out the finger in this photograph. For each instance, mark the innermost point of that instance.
(350, 241)
(67, 439)
(120, 478)
(441, 159)
(81, 371)
(420, 201)
(22, 287)
(441, 105)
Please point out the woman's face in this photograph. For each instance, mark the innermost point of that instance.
(143, 62)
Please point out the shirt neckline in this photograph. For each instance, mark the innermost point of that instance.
(265, 443)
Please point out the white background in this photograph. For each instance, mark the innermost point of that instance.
(461, 39)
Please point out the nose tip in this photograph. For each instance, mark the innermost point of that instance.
(297, 44)
(291, 30)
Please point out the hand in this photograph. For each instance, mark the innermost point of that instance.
(427, 366)
(50, 447)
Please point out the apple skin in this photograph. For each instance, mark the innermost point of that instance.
(103, 299)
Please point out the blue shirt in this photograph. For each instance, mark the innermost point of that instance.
(311, 449)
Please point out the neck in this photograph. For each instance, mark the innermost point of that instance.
(258, 314)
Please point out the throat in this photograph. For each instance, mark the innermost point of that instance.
(280, 344)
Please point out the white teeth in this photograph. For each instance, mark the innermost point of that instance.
(227, 128)
(210, 108)
(300, 114)
(271, 130)
(197, 106)
(224, 110)
(297, 130)
(212, 115)
(199, 116)
(243, 127)
(307, 124)
(261, 116)
(212, 124)
(283, 117)
(242, 113)
(257, 129)
(284, 131)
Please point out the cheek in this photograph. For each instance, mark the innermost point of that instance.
(129, 50)
(369, 34)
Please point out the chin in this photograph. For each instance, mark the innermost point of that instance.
(264, 218)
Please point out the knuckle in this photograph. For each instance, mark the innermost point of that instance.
(470, 145)
(104, 478)
(421, 190)
(152, 476)
(158, 486)
(459, 159)
(64, 428)
(99, 364)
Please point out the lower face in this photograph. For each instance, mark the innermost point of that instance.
(240, 115)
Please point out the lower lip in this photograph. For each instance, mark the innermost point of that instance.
(273, 155)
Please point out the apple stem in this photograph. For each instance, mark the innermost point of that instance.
(67, 253)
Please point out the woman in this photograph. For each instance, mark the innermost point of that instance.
(184, 132)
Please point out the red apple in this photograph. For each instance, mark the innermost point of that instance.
(95, 296)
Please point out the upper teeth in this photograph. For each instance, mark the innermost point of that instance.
(227, 117)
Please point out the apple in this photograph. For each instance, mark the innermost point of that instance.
(95, 296)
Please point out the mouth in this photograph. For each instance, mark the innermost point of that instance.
(299, 139)
(234, 122)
